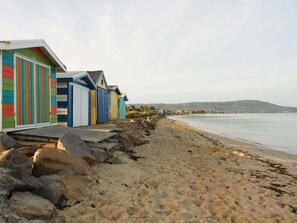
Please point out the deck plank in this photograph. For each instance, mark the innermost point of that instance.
(56, 132)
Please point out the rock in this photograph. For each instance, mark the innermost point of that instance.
(14, 160)
(28, 151)
(7, 184)
(101, 155)
(7, 142)
(49, 161)
(31, 206)
(125, 141)
(119, 157)
(50, 193)
(136, 139)
(74, 145)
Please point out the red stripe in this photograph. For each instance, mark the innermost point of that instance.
(54, 110)
(7, 110)
(38, 51)
(28, 93)
(7, 71)
(7, 106)
(53, 82)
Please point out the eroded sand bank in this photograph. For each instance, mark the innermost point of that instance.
(188, 176)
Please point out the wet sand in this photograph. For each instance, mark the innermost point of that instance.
(188, 175)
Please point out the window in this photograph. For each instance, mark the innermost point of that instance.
(102, 82)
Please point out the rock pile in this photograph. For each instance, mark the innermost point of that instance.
(31, 177)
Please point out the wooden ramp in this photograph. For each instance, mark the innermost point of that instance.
(53, 133)
(103, 128)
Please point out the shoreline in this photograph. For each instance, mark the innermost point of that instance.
(266, 149)
(186, 175)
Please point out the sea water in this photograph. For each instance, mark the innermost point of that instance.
(273, 130)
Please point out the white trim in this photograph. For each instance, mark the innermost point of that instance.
(1, 89)
(23, 44)
(29, 127)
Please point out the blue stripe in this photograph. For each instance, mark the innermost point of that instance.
(7, 58)
(62, 118)
(70, 106)
(62, 104)
(8, 100)
(61, 91)
(53, 73)
(7, 93)
(53, 100)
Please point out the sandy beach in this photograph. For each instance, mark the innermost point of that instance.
(187, 175)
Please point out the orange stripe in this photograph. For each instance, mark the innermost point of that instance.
(7, 106)
(54, 110)
(7, 112)
(7, 71)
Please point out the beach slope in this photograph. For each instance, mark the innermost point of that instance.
(190, 176)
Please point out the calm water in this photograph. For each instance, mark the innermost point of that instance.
(277, 131)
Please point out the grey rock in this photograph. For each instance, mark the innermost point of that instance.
(125, 141)
(49, 161)
(31, 206)
(14, 160)
(74, 145)
(7, 142)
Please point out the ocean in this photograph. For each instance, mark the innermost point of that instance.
(277, 131)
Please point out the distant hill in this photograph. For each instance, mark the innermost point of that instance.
(243, 106)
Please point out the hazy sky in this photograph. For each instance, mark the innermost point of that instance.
(170, 51)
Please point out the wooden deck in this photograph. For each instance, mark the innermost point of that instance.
(53, 133)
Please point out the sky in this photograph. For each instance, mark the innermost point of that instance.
(170, 51)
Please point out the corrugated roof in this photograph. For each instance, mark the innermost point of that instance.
(23, 44)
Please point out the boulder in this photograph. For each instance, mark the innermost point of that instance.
(74, 145)
(31, 206)
(49, 161)
(136, 139)
(119, 157)
(51, 193)
(101, 155)
(7, 142)
(28, 151)
(125, 141)
(14, 160)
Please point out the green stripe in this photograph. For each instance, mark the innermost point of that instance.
(34, 56)
(8, 87)
(53, 118)
(7, 81)
(8, 122)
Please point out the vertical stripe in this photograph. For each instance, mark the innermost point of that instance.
(36, 94)
(28, 94)
(42, 94)
(32, 87)
(18, 80)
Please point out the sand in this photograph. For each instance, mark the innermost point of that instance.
(188, 176)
